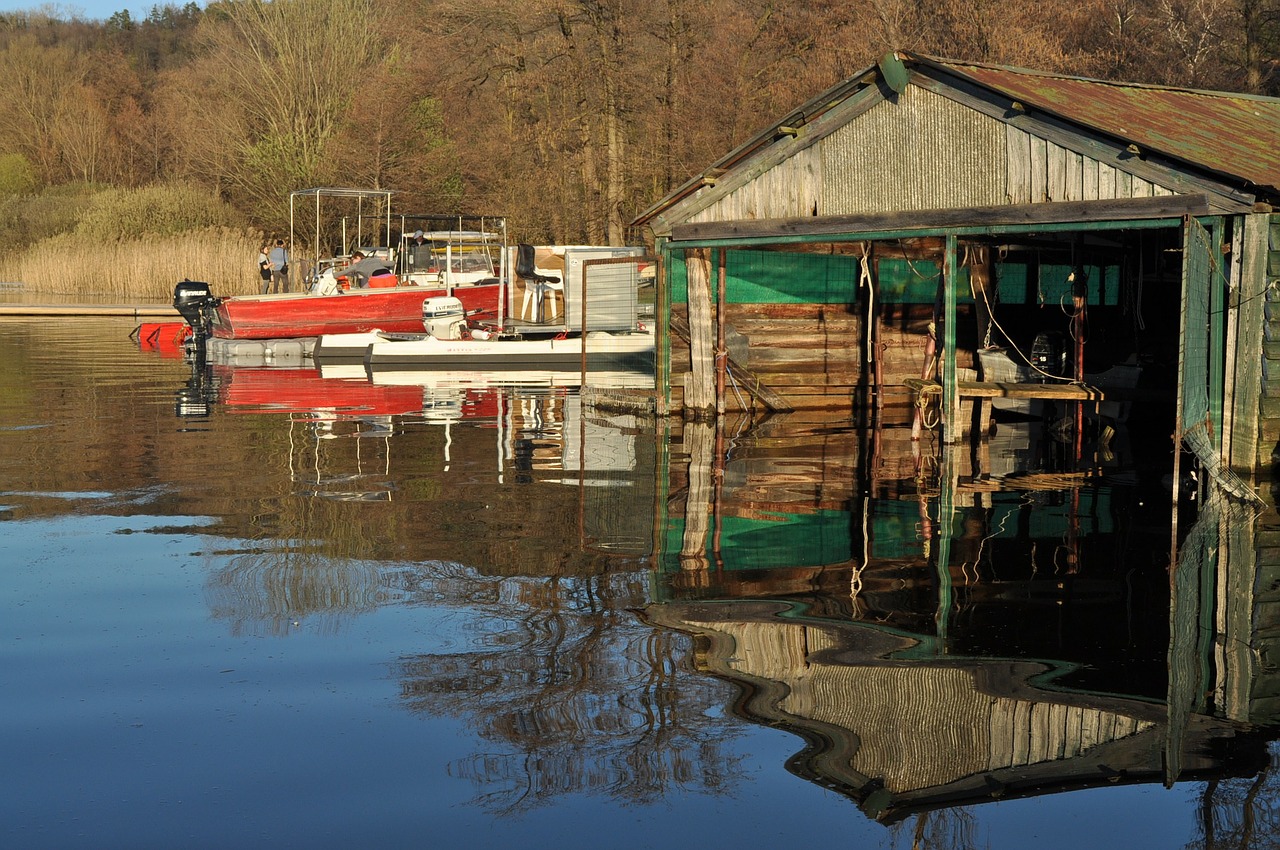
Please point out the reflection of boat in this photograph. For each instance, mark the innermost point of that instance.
(305, 390)
(526, 378)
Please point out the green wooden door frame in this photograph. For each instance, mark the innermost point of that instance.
(950, 385)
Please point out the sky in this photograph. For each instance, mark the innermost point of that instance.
(92, 9)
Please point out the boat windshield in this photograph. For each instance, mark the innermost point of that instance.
(472, 254)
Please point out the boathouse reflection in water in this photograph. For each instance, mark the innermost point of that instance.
(958, 625)
(940, 627)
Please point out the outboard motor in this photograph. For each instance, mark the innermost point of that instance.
(194, 303)
(443, 317)
(1049, 354)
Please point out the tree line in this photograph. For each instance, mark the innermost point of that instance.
(568, 116)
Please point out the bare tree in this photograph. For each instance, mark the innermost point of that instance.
(271, 90)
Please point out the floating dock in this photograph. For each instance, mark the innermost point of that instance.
(136, 311)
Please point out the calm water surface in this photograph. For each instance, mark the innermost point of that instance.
(251, 607)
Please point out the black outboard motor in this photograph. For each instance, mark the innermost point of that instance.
(194, 303)
(1049, 354)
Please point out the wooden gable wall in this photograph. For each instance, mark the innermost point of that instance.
(919, 151)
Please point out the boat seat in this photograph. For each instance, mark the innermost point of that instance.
(538, 288)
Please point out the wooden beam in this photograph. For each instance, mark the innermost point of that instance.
(1251, 244)
(700, 396)
(950, 396)
(921, 222)
(1009, 389)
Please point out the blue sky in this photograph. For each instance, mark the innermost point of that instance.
(92, 9)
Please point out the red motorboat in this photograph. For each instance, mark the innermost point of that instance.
(394, 309)
(463, 256)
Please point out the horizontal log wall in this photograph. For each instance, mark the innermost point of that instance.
(814, 354)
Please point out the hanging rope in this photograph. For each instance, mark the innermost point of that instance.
(864, 279)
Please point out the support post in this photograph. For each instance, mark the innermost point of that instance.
(699, 398)
(950, 386)
(722, 356)
(1217, 335)
(662, 331)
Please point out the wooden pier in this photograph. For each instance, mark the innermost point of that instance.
(135, 311)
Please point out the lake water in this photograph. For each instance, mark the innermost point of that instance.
(279, 607)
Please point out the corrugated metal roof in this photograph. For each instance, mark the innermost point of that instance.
(1235, 135)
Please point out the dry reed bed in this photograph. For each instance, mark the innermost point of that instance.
(144, 270)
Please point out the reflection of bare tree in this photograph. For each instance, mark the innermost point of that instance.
(943, 829)
(579, 695)
(270, 591)
(306, 560)
(1241, 813)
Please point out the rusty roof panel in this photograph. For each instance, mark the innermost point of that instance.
(1235, 135)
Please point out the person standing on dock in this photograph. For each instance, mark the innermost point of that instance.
(279, 258)
(264, 268)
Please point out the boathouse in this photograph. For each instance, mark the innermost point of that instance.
(893, 244)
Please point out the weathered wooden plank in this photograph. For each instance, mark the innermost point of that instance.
(982, 389)
(701, 386)
(765, 154)
(1039, 170)
(1227, 198)
(1247, 431)
(1106, 181)
(1055, 172)
(1124, 184)
(1018, 165)
(742, 377)
(1120, 209)
(1089, 179)
(1073, 184)
(132, 311)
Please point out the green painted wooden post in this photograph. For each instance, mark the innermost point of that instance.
(950, 390)
(662, 319)
(1217, 333)
(948, 480)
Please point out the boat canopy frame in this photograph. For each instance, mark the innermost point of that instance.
(479, 231)
(360, 196)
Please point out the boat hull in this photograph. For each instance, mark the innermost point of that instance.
(550, 353)
(290, 315)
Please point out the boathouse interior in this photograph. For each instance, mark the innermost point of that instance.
(847, 324)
